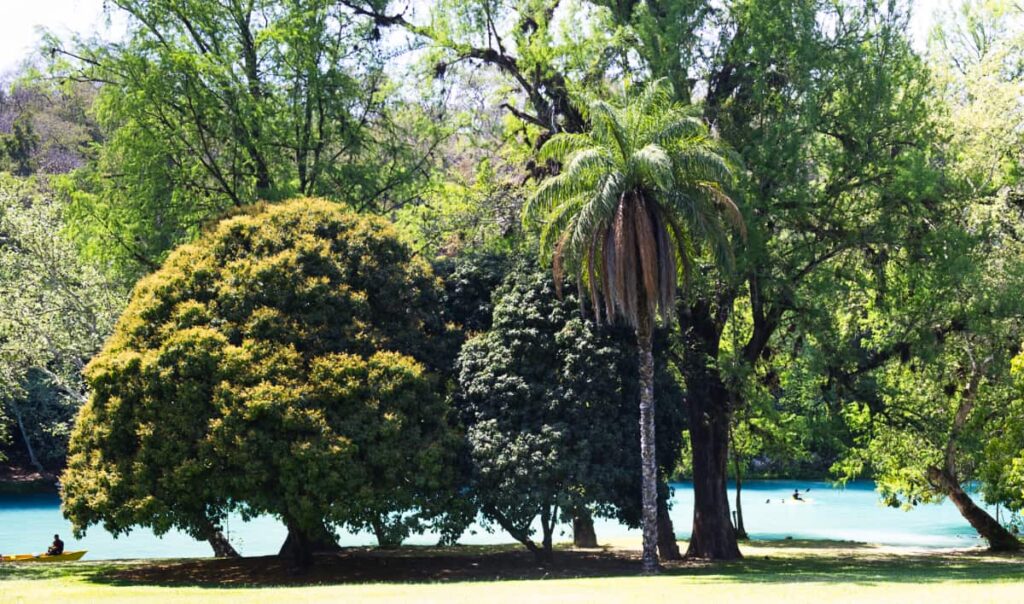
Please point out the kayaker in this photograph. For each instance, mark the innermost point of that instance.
(796, 495)
(57, 548)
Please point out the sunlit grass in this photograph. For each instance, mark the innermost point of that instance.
(795, 571)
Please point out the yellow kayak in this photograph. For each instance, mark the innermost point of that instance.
(65, 557)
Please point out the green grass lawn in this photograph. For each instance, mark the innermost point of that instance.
(771, 572)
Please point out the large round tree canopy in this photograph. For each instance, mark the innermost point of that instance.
(280, 364)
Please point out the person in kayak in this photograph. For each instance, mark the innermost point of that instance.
(57, 548)
(796, 495)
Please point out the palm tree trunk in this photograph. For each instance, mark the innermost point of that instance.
(648, 461)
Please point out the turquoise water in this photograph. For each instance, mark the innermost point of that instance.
(27, 523)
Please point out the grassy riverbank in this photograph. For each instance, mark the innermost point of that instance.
(788, 571)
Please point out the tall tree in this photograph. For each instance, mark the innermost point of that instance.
(933, 403)
(543, 396)
(828, 107)
(283, 364)
(925, 419)
(209, 106)
(55, 314)
(638, 192)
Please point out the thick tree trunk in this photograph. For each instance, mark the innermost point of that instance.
(300, 545)
(583, 534)
(668, 548)
(213, 535)
(714, 536)
(298, 548)
(999, 539)
(648, 460)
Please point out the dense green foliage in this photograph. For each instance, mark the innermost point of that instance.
(641, 190)
(56, 310)
(864, 325)
(544, 395)
(282, 364)
(208, 106)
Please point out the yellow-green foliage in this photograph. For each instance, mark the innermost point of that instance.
(281, 364)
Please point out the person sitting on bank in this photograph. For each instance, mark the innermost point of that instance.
(57, 548)
(796, 495)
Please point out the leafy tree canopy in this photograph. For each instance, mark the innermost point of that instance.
(55, 314)
(548, 401)
(283, 364)
(208, 106)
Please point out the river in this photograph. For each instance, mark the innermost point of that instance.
(28, 522)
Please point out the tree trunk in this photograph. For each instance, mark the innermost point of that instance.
(741, 531)
(298, 548)
(714, 536)
(300, 545)
(668, 548)
(999, 539)
(547, 523)
(387, 537)
(583, 534)
(648, 461)
(520, 534)
(24, 437)
(212, 534)
(222, 548)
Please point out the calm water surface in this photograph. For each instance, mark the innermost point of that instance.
(27, 523)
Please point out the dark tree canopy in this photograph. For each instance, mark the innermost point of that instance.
(282, 364)
(548, 402)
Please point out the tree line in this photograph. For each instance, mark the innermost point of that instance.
(808, 228)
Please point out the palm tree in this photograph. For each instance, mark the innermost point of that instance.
(638, 193)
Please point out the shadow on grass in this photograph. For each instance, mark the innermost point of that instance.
(808, 543)
(829, 562)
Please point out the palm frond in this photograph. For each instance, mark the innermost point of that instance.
(593, 269)
(654, 166)
(608, 128)
(599, 209)
(701, 163)
(558, 222)
(639, 196)
(726, 205)
(563, 144)
(680, 127)
(586, 166)
(551, 193)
